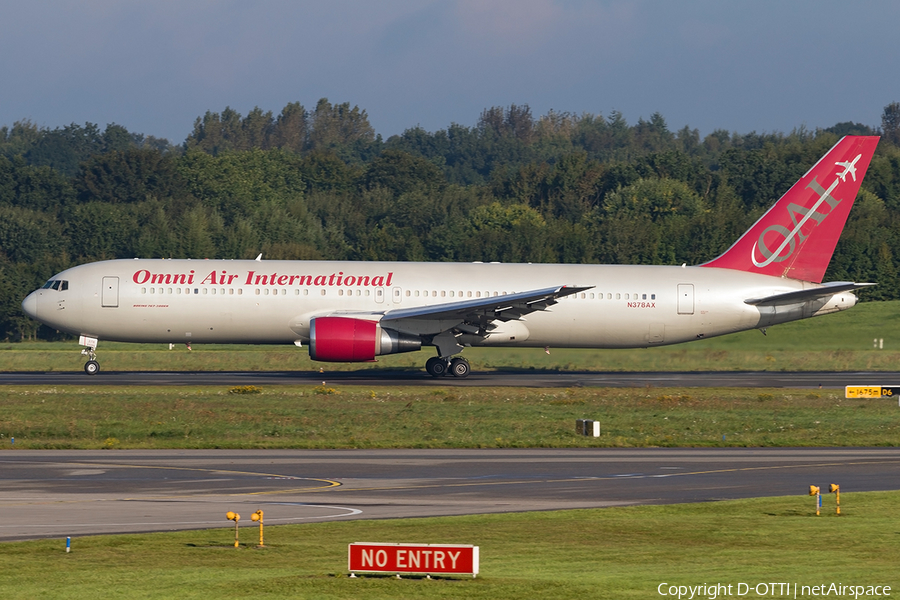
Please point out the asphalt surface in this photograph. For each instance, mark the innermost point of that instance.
(76, 493)
(505, 378)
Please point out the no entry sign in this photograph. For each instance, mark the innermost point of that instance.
(419, 559)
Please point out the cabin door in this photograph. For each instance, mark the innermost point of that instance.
(109, 296)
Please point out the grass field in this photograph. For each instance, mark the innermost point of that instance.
(840, 342)
(416, 417)
(606, 553)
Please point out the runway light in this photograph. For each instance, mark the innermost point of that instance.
(258, 516)
(814, 491)
(233, 516)
(836, 490)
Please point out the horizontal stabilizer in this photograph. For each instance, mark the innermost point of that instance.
(828, 289)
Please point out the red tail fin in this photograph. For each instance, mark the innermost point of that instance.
(797, 236)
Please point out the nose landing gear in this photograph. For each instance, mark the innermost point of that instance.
(438, 367)
(91, 367)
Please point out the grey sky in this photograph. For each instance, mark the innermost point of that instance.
(154, 66)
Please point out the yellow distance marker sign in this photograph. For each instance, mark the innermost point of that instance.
(872, 391)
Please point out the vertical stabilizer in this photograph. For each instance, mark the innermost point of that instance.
(797, 236)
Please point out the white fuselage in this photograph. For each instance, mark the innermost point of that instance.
(271, 302)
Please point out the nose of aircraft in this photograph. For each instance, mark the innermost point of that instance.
(30, 305)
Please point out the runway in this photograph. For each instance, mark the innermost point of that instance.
(76, 493)
(504, 378)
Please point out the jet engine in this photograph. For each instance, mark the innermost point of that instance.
(344, 339)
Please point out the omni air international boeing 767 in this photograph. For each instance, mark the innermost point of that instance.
(355, 311)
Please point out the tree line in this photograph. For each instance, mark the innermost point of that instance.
(321, 184)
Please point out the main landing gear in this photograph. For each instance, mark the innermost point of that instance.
(438, 367)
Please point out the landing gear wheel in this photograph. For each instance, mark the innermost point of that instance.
(436, 366)
(459, 367)
(92, 367)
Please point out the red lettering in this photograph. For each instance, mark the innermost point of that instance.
(331, 279)
(262, 279)
(349, 280)
(272, 279)
(320, 280)
(305, 280)
(339, 277)
(141, 276)
(390, 275)
(209, 279)
(362, 280)
(378, 281)
(282, 279)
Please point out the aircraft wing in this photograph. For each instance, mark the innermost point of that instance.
(828, 289)
(503, 308)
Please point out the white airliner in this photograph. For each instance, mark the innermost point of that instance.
(355, 311)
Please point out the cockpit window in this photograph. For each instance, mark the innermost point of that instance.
(56, 284)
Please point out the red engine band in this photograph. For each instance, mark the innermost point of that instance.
(340, 339)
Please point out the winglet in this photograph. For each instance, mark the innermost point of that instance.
(797, 236)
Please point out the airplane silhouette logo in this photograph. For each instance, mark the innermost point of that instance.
(849, 167)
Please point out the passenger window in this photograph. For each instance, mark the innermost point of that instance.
(653, 296)
(643, 296)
